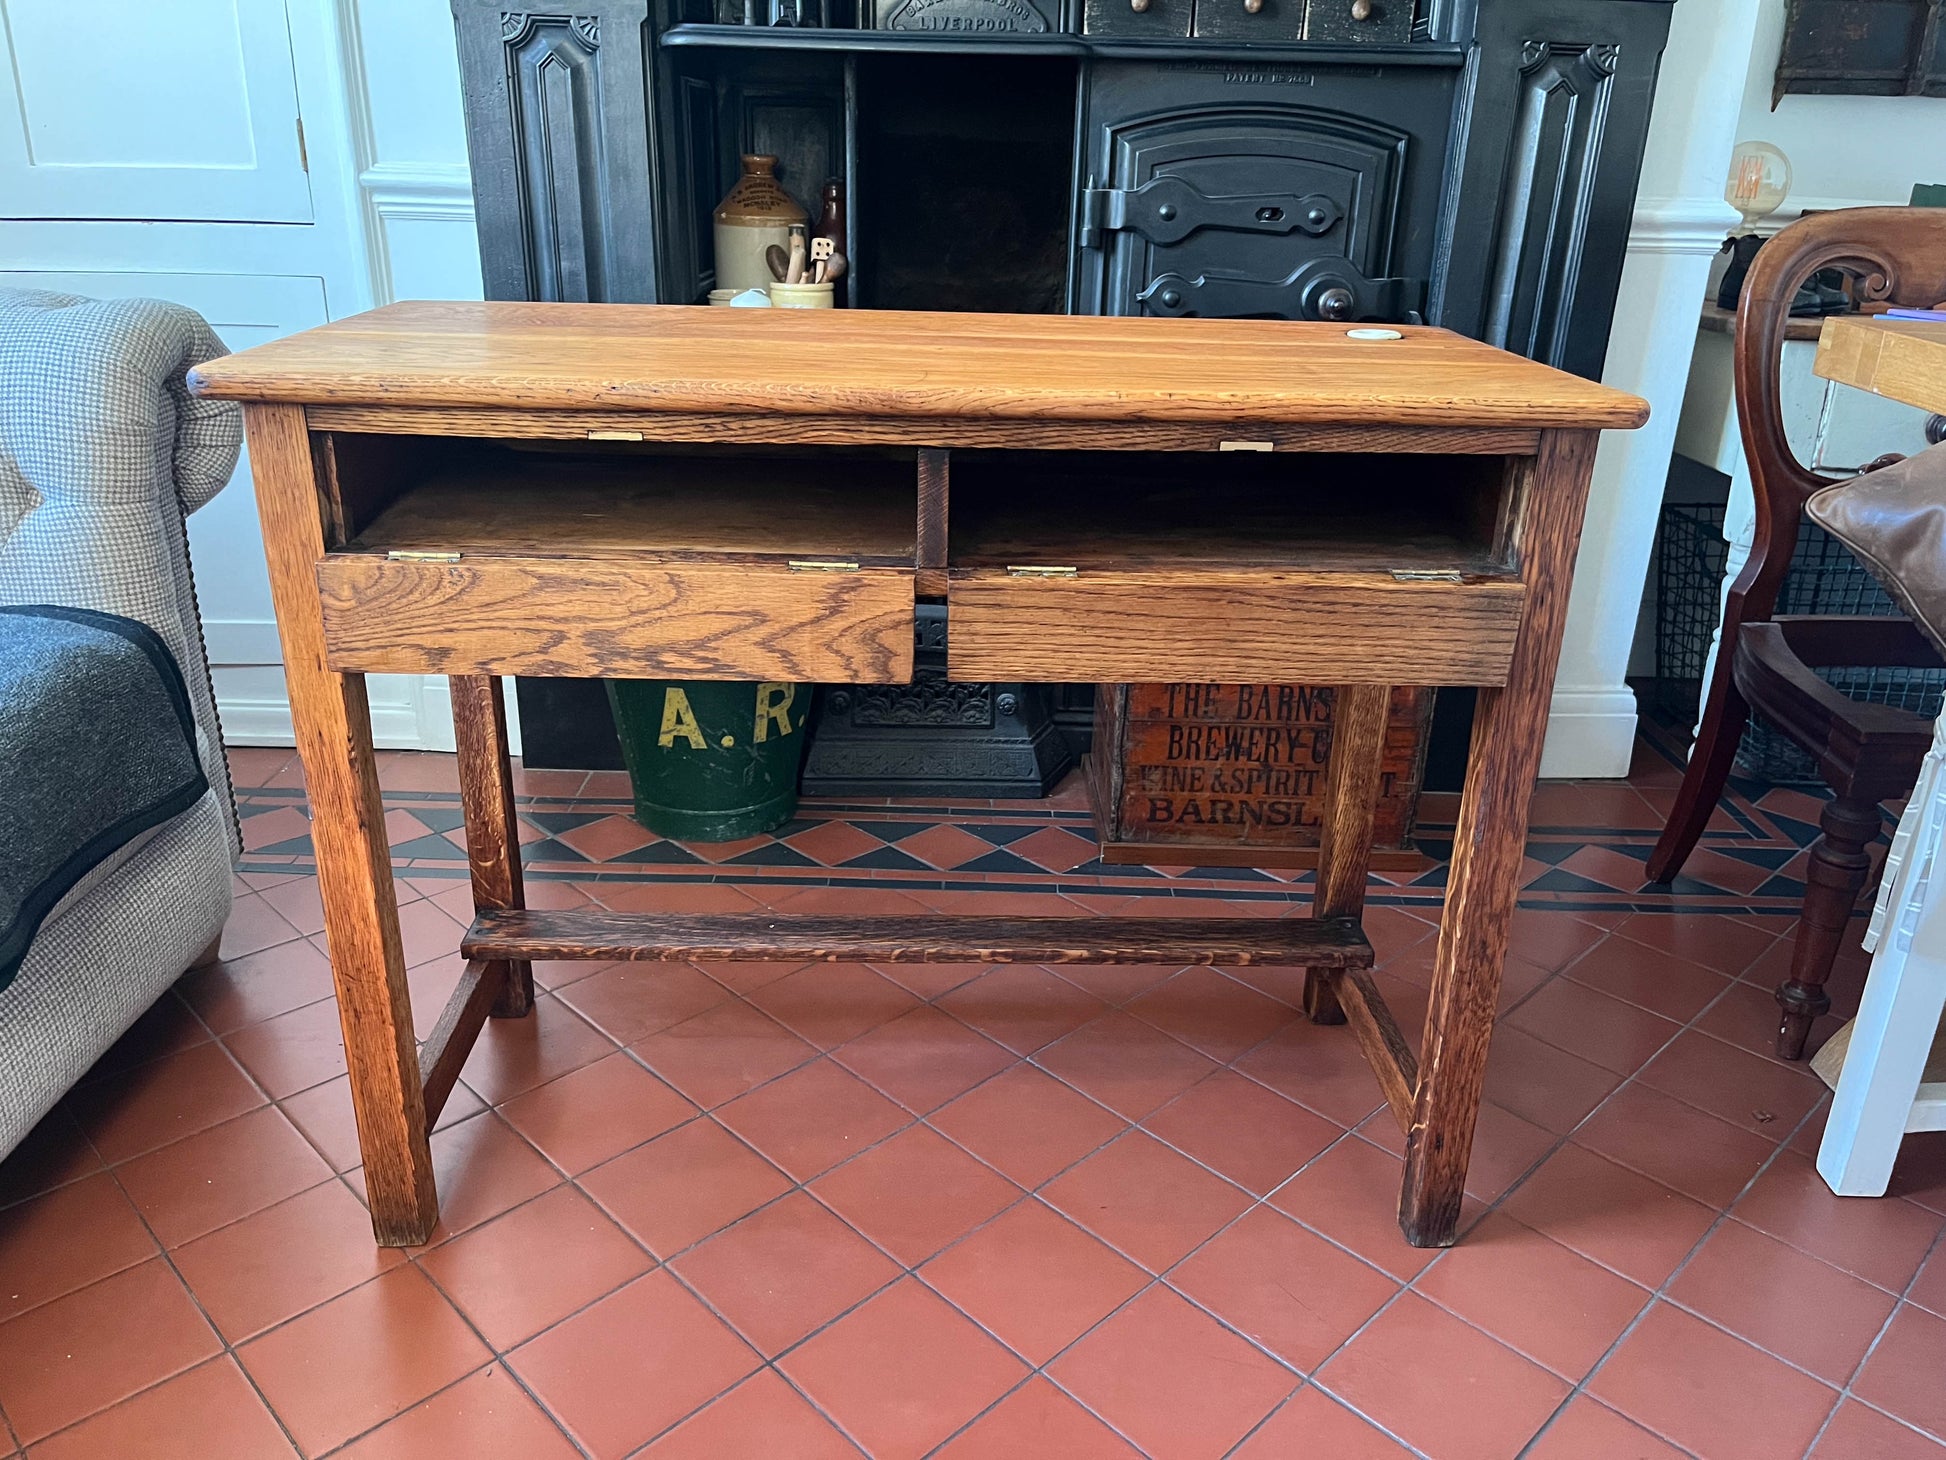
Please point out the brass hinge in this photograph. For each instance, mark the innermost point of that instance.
(1034, 570)
(303, 154)
(1427, 575)
(408, 555)
(819, 565)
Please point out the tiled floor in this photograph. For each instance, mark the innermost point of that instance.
(758, 1211)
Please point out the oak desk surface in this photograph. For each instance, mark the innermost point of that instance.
(680, 358)
(1900, 359)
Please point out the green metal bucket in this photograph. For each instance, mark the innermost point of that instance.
(710, 761)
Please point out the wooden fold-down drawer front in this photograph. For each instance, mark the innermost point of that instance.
(1231, 626)
(589, 616)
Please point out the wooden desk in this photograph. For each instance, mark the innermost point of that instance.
(1900, 359)
(482, 489)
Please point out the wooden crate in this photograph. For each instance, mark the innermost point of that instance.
(1233, 774)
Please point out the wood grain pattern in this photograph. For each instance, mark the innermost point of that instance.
(334, 737)
(486, 793)
(895, 363)
(1900, 359)
(590, 617)
(1353, 778)
(934, 497)
(1337, 943)
(481, 985)
(1489, 843)
(942, 431)
(1385, 1046)
(1277, 627)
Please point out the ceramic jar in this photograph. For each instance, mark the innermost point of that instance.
(756, 213)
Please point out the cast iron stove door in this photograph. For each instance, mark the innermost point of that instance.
(1281, 212)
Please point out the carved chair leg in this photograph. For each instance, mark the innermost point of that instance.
(1710, 760)
(1839, 866)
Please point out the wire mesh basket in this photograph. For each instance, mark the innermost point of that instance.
(1824, 578)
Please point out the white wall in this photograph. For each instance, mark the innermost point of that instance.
(170, 167)
(1845, 151)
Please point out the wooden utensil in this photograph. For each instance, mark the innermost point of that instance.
(779, 261)
(795, 274)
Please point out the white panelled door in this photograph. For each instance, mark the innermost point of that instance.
(150, 109)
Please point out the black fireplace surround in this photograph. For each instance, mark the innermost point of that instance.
(1468, 163)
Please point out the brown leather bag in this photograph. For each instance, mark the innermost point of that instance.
(1894, 519)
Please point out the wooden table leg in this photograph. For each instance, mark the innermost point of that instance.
(486, 790)
(1489, 844)
(361, 914)
(1358, 716)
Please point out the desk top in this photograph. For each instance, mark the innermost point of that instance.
(1900, 359)
(681, 358)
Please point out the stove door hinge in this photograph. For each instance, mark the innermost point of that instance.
(1166, 210)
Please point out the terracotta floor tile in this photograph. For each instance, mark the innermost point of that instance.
(1743, 1088)
(1351, 1195)
(1858, 1432)
(1543, 1084)
(66, 1239)
(631, 1001)
(1028, 1124)
(929, 980)
(1784, 1301)
(1034, 1279)
(1607, 1032)
(813, 1118)
(915, 1193)
(483, 1168)
(1037, 1419)
(293, 1051)
(517, 1055)
(1319, 1067)
(1312, 1425)
(359, 1359)
(52, 1154)
(1417, 1370)
(679, 1188)
(1621, 1219)
(1284, 1286)
(1552, 940)
(1903, 1375)
(1505, 1148)
(208, 1411)
(1651, 978)
(785, 1271)
(722, 1054)
(1055, 848)
(829, 1004)
(595, 1113)
(1536, 1296)
(1881, 1241)
(1022, 1007)
(298, 902)
(323, 1113)
(427, 931)
(763, 1416)
(1172, 1379)
(1146, 1200)
(1127, 1065)
(1679, 1145)
(1211, 1013)
(66, 1359)
(1709, 1392)
(486, 1416)
(621, 1372)
(1723, 944)
(247, 1277)
(218, 1175)
(946, 847)
(923, 1058)
(163, 1100)
(1928, 1290)
(230, 994)
(1243, 1130)
(534, 1265)
(1587, 1430)
(903, 1372)
(254, 924)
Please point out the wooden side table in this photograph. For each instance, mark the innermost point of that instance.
(477, 490)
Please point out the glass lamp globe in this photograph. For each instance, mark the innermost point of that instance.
(1760, 180)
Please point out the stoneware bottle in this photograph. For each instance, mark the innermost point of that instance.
(756, 213)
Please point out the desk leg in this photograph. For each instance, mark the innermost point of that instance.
(486, 791)
(1489, 843)
(1358, 716)
(361, 914)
